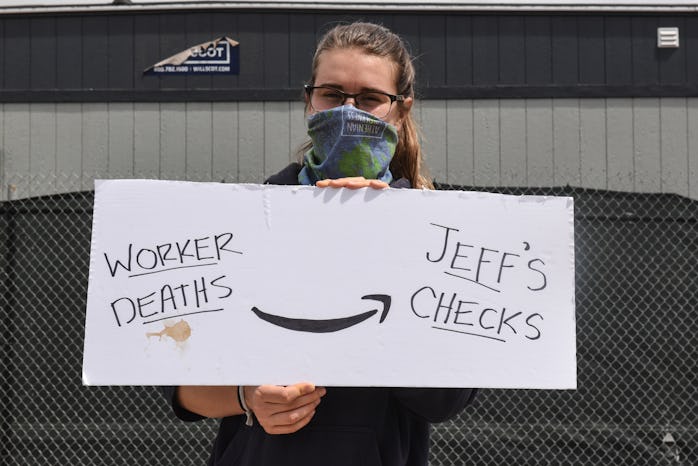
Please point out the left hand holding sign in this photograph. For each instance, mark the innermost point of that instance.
(353, 182)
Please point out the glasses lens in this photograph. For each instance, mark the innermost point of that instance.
(374, 102)
(325, 98)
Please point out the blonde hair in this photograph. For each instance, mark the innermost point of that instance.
(378, 40)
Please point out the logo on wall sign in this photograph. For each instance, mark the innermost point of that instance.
(219, 56)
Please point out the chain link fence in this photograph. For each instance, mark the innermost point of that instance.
(637, 402)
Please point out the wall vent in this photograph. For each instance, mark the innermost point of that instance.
(667, 38)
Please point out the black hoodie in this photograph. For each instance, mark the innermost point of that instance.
(352, 426)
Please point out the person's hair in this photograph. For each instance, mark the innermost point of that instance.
(378, 40)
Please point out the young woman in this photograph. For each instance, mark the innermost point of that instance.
(362, 134)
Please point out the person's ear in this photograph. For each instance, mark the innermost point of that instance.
(407, 105)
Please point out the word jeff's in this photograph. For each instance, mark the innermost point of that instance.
(177, 254)
(456, 313)
(169, 298)
(484, 266)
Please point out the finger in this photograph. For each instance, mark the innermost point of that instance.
(304, 388)
(284, 394)
(358, 184)
(268, 394)
(284, 423)
(308, 398)
(289, 429)
(301, 400)
(293, 416)
(335, 183)
(291, 393)
(347, 182)
(378, 184)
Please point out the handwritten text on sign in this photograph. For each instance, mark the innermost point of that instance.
(209, 283)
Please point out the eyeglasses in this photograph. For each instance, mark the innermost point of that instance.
(375, 102)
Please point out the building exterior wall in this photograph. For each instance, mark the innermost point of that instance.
(101, 57)
(506, 99)
(626, 144)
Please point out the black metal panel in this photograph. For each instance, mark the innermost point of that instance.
(251, 50)
(432, 46)
(301, 46)
(644, 50)
(457, 55)
(120, 44)
(565, 51)
(69, 53)
(672, 62)
(95, 69)
(42, 62)
(592, 56)
(512, 50)
(17, 50)
(95, 39)
(619, 64)
(689, 40)
(409, 30)
(146, 50)
(485, 51)
(459, 51)
(2, 55)
(276, 51)
(539, 60)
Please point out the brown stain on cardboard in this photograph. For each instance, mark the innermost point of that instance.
(179, 332)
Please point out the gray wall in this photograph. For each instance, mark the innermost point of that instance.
(627, 144)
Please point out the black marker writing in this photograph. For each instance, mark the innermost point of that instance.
(169, 299)
(326, 325)
(528, 322)
(443, 251)
(486, 266)
(545, 281)
(168, 256)
(451, 312)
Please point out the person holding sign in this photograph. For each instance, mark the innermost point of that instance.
(362, 85)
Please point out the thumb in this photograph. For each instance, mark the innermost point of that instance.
(302, 388)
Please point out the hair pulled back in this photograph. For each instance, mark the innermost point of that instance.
(378, 40)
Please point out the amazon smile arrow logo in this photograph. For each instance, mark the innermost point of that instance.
(326, 325)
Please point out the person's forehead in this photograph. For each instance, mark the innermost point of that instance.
(353, 70)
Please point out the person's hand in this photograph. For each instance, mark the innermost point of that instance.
(283, 410)
(353, 182)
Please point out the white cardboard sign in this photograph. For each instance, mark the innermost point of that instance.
(217, 284)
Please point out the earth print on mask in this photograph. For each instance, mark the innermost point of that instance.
(348, 142)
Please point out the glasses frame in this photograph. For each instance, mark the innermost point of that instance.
(345, 95)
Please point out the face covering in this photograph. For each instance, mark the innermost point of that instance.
(348, 142)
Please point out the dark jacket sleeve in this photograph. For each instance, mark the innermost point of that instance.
(435, 404)
(287, 176)
(181, 413)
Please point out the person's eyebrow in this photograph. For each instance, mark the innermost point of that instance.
(339, 87)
